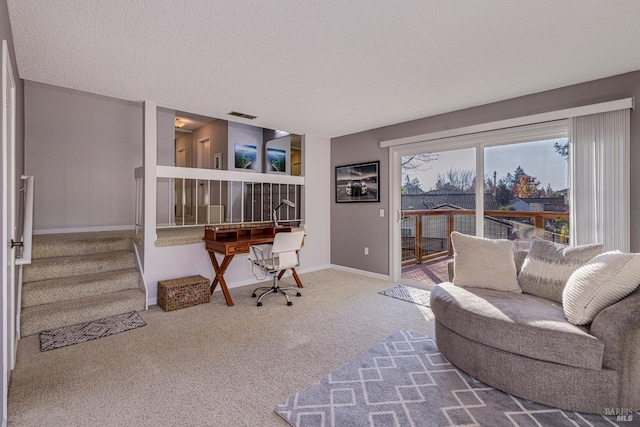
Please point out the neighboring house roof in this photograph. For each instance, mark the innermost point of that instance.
(439, 200)
(549, 204)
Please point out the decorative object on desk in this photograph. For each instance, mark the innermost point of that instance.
(407, 293)
(246, 156)
(184, 292)
(76, 334)
(274, 214)
(405, 380)
(358, 183)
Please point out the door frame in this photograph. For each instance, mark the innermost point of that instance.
(8, 196)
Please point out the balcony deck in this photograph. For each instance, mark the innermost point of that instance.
(430, 272)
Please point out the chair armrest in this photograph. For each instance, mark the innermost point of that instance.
(260, 252)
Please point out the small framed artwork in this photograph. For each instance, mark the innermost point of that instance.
(358, 183)
(217, 161)
(276, 160)
(246, 157)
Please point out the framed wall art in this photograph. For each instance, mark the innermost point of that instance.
(358, 183)
(246, 156)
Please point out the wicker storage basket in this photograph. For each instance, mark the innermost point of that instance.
(184, 292)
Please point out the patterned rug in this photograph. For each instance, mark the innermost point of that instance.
(406, 293)
(405, 381)
(70, 335)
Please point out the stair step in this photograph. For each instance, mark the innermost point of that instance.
(66, 313)
(68, 288)
(66, 266)
(57, 245)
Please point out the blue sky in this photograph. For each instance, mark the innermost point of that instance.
(536, 158)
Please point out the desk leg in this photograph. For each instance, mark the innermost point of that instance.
(220, 270)
(295, 276)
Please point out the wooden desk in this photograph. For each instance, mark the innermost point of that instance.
(231, 242)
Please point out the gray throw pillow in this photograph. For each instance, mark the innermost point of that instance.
(549, 265)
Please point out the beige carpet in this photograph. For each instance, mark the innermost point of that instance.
(210, 365)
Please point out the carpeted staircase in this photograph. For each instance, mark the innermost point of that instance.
(79, 277)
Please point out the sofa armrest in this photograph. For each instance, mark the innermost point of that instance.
(618, 327)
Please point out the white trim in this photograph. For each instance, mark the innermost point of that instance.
(84, 229)
(530, 132)
(515, 122)
(395, 182)
(137, 250)
(361, 272)
(226, 175)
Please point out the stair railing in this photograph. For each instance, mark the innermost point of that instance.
(25, 235)
(25, 230)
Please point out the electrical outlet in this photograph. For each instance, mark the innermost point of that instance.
(381, 213)
(366, 250)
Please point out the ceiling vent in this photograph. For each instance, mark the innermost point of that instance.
(243, 115)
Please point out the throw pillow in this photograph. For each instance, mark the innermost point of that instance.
(484, 263)
(549, 265)
(601, 282)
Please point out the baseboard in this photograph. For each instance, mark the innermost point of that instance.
(311, 269)
(361, 272)
(84, 229)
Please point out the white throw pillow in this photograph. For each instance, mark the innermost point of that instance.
(601, 282)
(484, 263)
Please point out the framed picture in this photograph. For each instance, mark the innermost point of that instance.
(358, 183)
(217, 161)
(276, 160)
(246, 157)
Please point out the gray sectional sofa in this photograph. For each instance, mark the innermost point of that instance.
(523, 344)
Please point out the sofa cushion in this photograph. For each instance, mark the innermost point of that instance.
(484, 263)
(601, 282)
(518, 323)
(549, 265)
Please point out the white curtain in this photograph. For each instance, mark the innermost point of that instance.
(599, 153)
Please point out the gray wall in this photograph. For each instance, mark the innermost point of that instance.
(354, 226)
(5, 34)
(82, 150)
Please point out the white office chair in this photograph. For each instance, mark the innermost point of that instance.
(273, 258)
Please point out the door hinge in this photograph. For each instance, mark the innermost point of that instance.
(14, 244)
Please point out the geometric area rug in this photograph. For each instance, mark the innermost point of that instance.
(70, 335)
(405, 381)
(406, 293)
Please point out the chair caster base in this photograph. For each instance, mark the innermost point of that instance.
(259, 304)
(289, 303)
(253, 295)
(298, 294)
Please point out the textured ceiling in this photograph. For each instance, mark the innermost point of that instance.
(329, 67)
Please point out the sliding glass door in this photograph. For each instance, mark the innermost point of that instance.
(495, 185)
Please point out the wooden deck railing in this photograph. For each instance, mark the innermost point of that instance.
(426, 233)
